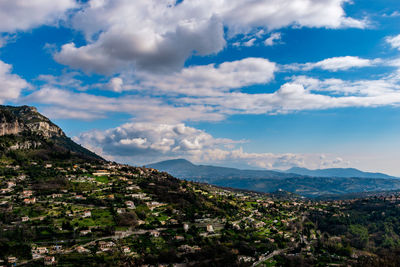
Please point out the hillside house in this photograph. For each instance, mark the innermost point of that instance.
(57, 248)
(81, 249)
(101, 173)
(86, 214)
(5, 190)
(126, 250)
(130, 205)
(49, 260)
(85, 232)
(30, 200)
(155, 233)
(142, 196)
(105, 246)
(40, 250)
(154, 204)
(27, 193)
(259, 224)
(133, 187)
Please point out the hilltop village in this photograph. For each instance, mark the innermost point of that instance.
(66, 213)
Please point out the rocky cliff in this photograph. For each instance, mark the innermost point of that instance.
(24, 128)
(17, 120)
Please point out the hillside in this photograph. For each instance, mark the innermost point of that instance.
(67, 208)
(271, 181)
(25, 129)
(338, 172)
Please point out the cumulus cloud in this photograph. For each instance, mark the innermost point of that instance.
(273, 39)
(152, 139)
(140, 143)
(150, 35)
(11, 85)
(241, 16)
(115, 84)
(160, 35)
(204, 79)
(23, 15)
(394, 41)
(336, 64)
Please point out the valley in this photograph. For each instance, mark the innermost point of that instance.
(63, 205)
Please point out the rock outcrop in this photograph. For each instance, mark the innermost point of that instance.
(16, 120)
(24, 128)
(10, 127)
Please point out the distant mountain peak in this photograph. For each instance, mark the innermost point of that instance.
(299, 181)
(181, 161)
(184, 169)
(337, 172)
(173, 163)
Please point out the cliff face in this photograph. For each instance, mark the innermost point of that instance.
(24, 128)
(10, 127)
(17, 120)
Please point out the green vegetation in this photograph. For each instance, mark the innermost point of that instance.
(102, 179)
(134, 216)
(53, 204)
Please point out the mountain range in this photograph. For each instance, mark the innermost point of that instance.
(205, 173)
(188, 170)
(310, 183)
(338, 172)
(27, 134)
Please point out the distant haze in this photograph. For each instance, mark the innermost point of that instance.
(310, 183)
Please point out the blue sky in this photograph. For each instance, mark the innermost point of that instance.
(257, 84)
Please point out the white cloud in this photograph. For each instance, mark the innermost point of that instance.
(66, 80)
(146, 139)
(305, 93)
(11, 85)
(393, 14)
(206, 79)
(213, 92)
(23, 15)
(157, 35)
(141, 143)
(336, 63)
(151, 35)
(394, 41)
(116, 84)
(250, 42)
(3, 41)
(242, 16)
(273, 39)
(60, 103)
